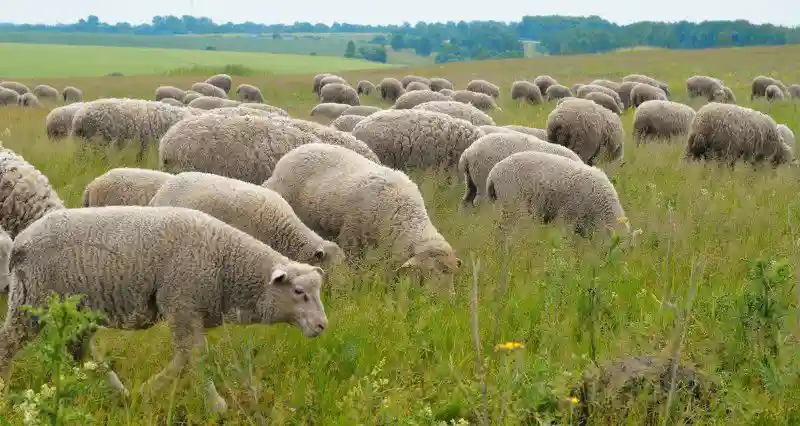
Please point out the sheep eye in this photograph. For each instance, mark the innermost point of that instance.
(298, 291)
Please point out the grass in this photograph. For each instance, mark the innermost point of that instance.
(399, 354)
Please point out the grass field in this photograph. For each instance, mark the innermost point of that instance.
(395, 354)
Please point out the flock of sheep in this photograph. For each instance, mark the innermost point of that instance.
(250, 204)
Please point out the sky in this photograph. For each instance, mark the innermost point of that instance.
(779, 12)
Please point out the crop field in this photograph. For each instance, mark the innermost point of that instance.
(710, 276)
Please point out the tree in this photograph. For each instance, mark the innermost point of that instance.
(350, 51)
(398, 42)
(374, 53)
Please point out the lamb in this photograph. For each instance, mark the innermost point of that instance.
(190, 96)
(58, 123)
(417, 85)
(787, 135)
(259, 211)
(124, 186)
(794, 91)
(624, 93)
(29, 100)
(557, 91)
(549, 187)
(773, 93)
(649, 81)
(142, 265)
(539, 133)
(414, 79)
(20, 88)
(413, 98)
(485, 87)
(586, 128)
(339, 93)
(318, 81)
(390, 89)
(44, 91)
(329, 110)
(481, 101)
(249, 93)
(170, 92)
(341, 194)
(591, 88)
(365, 87)
(71, 95)
(207, 89)
(212, 102)
(477, 160)
(729, 133)
(362, 110)
(8, 97)
(605, 101)
(407, 139)
(438, 84)
(661, 120)
(527, 91)
(458, 110)
(760, 84)
(328, 135)
(544, 82)
(330, 79)
(346, 123)
(223, 81)
(644, 92)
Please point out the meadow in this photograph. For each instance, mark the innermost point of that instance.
(710, 277)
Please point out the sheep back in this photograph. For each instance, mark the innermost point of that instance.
(124, 186)
(586, 128)
(662, 120)
(458, 110)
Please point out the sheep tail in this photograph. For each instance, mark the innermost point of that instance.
(491, 192)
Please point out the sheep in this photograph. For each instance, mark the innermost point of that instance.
(6, 245)
(190, 96)
(414, 79)
(223, 81)
(329, 110)
(458, 110)
(259, 211)
(481, 101)
(485, 87)
(703, 86)
(170, 92)
(447, 92)
(318, 81)
(489, 129)
(346, 123)
(590, 88)
(729, 133)
(20, 88)
(25, 193)
(250, 94)
(549, 187)
(207, 89)
(526, 91)
(787, 135)
(241, 110)
(71, 95)
(58, 123)
(173, 102)
(390, 89)
(661, 120)
(264, 107)
(605, 101)
(329, 135)
(557, 91)
(124, 186)
(362, 204)
(773, 93)
(649, 81)
(575, 88)
(44, 91)
(407, 139)
(760, 84)
(8, 97)
(362, 110)
(539, 133)
(624, 93)
(211, 102)
(644, 92)
(142, 265)
(477, 160)
(544, 82)
(330, 80)
(413, 98)
(365, 87)
(438, 84)
(417, 85)
(794, 91)
(586, 128)
(613, 85)
(339, 93)
(29, 100)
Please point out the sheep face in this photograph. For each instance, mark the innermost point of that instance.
(436, 266)
(328, 254)
(292, 296)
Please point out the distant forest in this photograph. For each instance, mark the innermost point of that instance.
(475, 40)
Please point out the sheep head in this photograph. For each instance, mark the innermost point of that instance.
(292, 296)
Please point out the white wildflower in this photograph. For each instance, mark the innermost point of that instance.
(29, 394)
(90, 366)
(47, 391)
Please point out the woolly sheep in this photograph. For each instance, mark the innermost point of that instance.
(414, 79)
(605, 101)
(330, 79)
(586, 128)
(591, 88)
(44, 91)
(649, 81)
(417, 85)
(773, 93)
(644, 92)
(8, 97)
(438, 84)
(390, 89)
(211, 102)
(259, 211)
(447, 92)
(557, 91)
(223, 81)
(624, 93)
(318, 81)
(173, 102)
(458, 110)
(365, 87)
(488, 129)
(613, 85)
(207, 89)
(170, 92)
(550, 187)
(341, 194)
(339, 93)
(362, 110)
(481, 101)
(787, 135)
(124, 186)
(249, 93)
(704, 86)
(661, 120)
(241, 110)
(794, 90)
(407, 139)
(142, 265)
(539, 133)
(575, 88)
(346, 123)
(190, 96)
(543, 82)
(729, 133)
(29, 100)
(329, 135)
(477, 160)
(58, 123)
(265, 107)
(760, 84)
(413, 98)
(485, 87)
(526, 91)
(71, 95)
(329, 110)
(6, 245)
(20, 88)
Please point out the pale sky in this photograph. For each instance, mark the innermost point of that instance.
(780, 12)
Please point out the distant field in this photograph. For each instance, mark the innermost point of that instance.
(42, 60)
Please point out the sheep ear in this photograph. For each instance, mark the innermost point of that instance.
(278, 277)
(458, 263)
(319, 254)
(410, 263)
(319, 270)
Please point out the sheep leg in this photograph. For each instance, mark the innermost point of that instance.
(111, 375)
(13, 336)
(472, 190)
(187, 335)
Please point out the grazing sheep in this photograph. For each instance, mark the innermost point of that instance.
(787, 135)
(211, 102)
(407, 139)
(124, 186)
(339, 93)
(20, 88)
(417, 85)
(329, 135)
(414, 79)
(543, 82)
(458, 110)
(447, 92)
(170, 92)
(575, 88)
(58, 123)
(488, 129)
(526, 91)
(242, 110)
(365, 87)
(264, 107)
(760, 84)
(329, 110)
(729, 133)
(477, 160)
(142, 265)
(591, 88)
(223, 81)
(341, 194)
(207, 89)
(624, 93)
(330, 80)
(8, 97)
(413, 98)
(259, 211)
(438, 84)
(29, 100)
(318, 81)
(6, 245)
(729, 97)
(190, 96)
(485, 87)
(704, 86)
(586, 128)
(661, 120)
(642, 93)
(794, 91)
(539, 133)
(557, 91)
(44, 91)
(173, 102)
(605, 101)
(249, 93)
(391, 89)
(613, 85)
(362, 110)
(773, 93)
(71, 95)
(649, 81)
(481, 101)
(346, 123)
(549, 187)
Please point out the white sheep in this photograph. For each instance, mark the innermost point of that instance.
(586, 128)
(124, 186)
(346, 123)
(458, 110)
(661, 120)
(58, 123)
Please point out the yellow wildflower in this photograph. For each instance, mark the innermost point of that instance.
(622, 219)
(508, 346)
(573, 400)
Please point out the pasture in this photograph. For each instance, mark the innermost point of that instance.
(712, 271)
